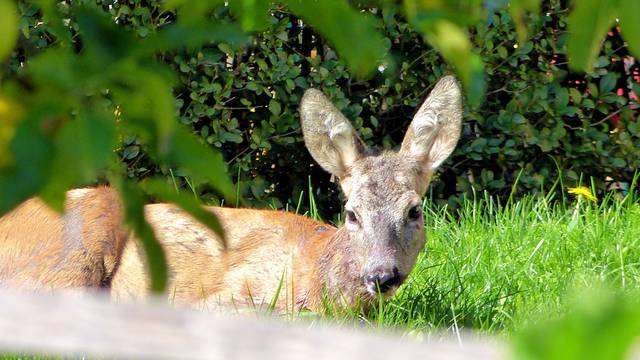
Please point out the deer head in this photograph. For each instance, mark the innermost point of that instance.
(384, 225)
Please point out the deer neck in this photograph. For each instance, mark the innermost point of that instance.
(333, 271)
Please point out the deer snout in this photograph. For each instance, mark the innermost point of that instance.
(383, 280)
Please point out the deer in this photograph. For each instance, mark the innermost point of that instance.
(271, 257)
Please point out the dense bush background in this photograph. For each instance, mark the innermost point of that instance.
(537, 116)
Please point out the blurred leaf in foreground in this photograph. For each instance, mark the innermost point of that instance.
(10, 114)
(104, 41)
(8, 27)
(588, 23)
(352, 33)
(518, 9)
(31, 148)
(452, 41)
(253, 14)
(601, 324)
(190, 204)
(178, 35)
(193, 11)
(133, 203)
(83, 148)
(197, 160)
(629, 13)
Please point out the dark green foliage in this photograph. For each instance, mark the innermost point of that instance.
(542, 118)
(133, 205)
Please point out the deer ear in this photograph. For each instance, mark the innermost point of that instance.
(435, 129)
(330, 138)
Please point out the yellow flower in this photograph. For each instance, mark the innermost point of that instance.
(583, 192)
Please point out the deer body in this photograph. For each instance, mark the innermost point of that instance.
(272, 257)
(50, 250)
(40, 248)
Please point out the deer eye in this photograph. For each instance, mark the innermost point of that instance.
(415, 212)
(350, 217)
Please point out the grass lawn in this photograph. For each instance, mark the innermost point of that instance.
(501, 269)
(497, 268)
(535, 268)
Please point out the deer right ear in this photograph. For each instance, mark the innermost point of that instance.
(329, 136)
(435, 129)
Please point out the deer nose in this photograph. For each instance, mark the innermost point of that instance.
(383, 279)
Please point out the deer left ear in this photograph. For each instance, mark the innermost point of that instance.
(435, 129)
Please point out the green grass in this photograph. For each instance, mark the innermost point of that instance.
(557, 279)
(504, 269)
(499, 268)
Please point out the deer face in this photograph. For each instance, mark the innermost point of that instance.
(383, 231)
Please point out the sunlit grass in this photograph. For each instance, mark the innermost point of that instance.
(498, 268)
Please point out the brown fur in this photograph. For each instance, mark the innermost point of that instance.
(262, 246)
(267, 250)
(41, 248)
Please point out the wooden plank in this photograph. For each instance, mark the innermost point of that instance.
(87, 325)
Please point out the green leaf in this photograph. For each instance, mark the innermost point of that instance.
(192, 11)
(454, 45)
(147, 104)
(176, 36)
(517, 8)
(587, 24)
(8, 27)
(443, 26)
(576, 96)
(518, 119)
(274, 107)
(90, 140)
(188, 203)
(619, 163)
(103, 41)
(187, 153)
(352, 33)
(601, 324)
(629, 14)
(31, 151)
(83, 148)
(133, 204)
(54, 23)
(56, 69)
(253, 14)
(562, 98)
(231, 137)
(608, 82)
(502, 51)
(131, 152)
